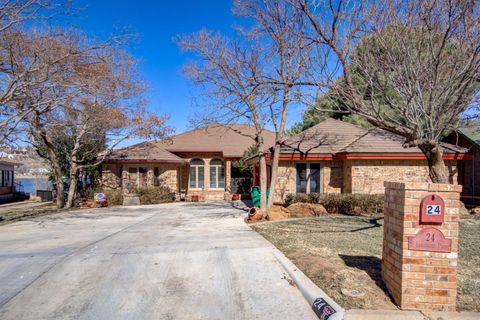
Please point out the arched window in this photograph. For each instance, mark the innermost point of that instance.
(197, 174)
(217, 174)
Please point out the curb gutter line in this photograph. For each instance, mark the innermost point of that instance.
(309, 290)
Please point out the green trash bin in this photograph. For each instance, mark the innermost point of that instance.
(256, 195)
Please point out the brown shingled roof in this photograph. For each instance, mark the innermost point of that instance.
(230, 140)
(332, 137)
(145, 151)
(328, 137)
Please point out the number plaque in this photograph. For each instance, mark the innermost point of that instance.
(430, 239)
(432, 208)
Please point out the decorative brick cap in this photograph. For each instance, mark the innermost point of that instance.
(424, 186)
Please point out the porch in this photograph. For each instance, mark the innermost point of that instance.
(201, 177)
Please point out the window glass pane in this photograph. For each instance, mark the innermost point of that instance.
(301, 177)
(193, 177)
(197, 162)
(200, 177)
(213, 177)
(216, 162)
(221, 177)
(315, 177)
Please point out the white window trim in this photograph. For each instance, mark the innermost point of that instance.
(217, 171)
(196, 166)
(320, 178)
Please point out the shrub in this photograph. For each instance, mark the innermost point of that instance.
(154, 195)
(342, 203)
(295, 197)
(114, 196)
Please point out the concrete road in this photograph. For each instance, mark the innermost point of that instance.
(173, 261)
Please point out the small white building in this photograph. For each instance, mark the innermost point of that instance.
(7, 179)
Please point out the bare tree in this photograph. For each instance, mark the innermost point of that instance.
(37, 76)
(110, 108)
(426, 54)
(228, 71)
(18, 69)
(88, 91)
(14, 13)
(279, 29)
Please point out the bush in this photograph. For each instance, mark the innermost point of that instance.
(342, 203)
(154, 195)
(114, 197)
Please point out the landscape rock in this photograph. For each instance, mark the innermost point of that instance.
(129, 200)
(475, 211)
(352, 293)
(300, 209)
(278, 213)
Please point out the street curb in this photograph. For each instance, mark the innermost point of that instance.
(309, 290)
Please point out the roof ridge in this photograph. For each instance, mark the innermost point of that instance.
(214, 125)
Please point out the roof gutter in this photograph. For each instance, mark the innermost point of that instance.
(362, 156)
(143, 162)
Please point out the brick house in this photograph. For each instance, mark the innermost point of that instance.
(194, 163)
(7, 179)
(339, 157)
(468, 170)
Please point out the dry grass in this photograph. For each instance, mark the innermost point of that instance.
(343, 253)
(18, 214)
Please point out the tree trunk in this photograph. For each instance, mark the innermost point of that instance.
(74, 167)
(72, 190)
(278, 141)
(58, 176)
(437, 170)
(263, 184)
(41, 134)
(274, 174)
(57, 173)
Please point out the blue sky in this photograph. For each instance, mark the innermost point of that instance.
(156, 23)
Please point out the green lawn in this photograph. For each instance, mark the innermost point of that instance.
(343, 253)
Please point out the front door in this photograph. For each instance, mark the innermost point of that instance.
(142, 177)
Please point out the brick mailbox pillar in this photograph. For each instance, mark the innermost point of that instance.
(420, 244)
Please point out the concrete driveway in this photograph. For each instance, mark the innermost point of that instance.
(173, 261)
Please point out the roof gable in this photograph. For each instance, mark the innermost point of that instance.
(472, 134)
(145, 151)
(230, 140)
(337, 137)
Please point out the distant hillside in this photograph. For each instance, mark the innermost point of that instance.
(31, 164)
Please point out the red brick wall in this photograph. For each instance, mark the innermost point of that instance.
(367, 176)
(419, 279)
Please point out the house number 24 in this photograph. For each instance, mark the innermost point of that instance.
(433, 209)
(430, 237)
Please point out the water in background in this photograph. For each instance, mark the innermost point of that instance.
(32, 185)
